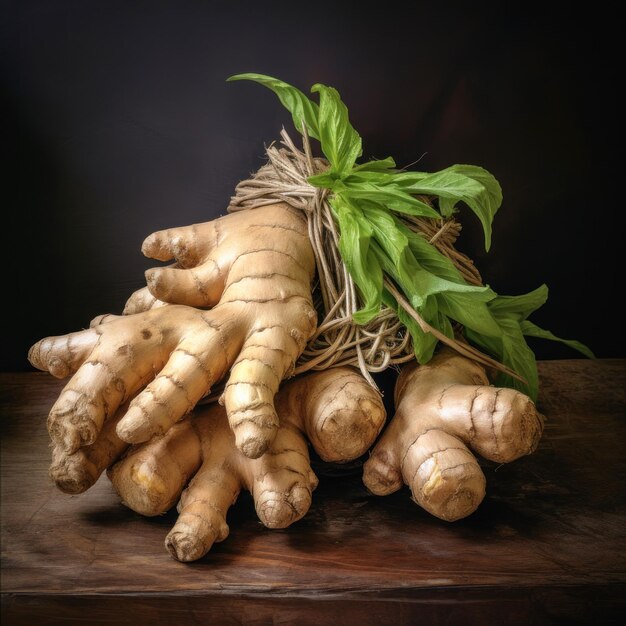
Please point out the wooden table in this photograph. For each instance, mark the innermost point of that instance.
(547, 545)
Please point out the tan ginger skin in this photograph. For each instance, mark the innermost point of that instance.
(255, 269)
(336, 410)
(441, 409)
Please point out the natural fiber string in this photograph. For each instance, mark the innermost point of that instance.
(384, 341)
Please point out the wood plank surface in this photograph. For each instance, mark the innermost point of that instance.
(548, 544)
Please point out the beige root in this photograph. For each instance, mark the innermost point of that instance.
(76, 472)
(254, 269)
(136, 376)
(141, 301)
(336, 409)
(441, 409)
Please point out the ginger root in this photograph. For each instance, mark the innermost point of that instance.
(135, 378)
(441, 409)
(255, 269)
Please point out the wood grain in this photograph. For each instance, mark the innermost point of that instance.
(547, 545)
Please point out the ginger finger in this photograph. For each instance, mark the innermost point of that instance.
(189, 245)
(265, 359)
(200, 286)
(140, 301)
(77, 472)
(105, 318)
(441, 409)
(151, 476)
(62, 356)
(282, 481)
(199, 526)
(342, 414)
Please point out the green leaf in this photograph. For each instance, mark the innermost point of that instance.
(520, 358)
(416, 282)
(424, 344)
(447, 206)
(391, 197)
(430, 258)
(407, 179)
(532, 330)
(394, 255)
(460, 183)
(341, 144)
(520, 306)
(359, 177)
(444, 325)
(302, 109)
(511, 349)
(325, 180)
(382, 187)
(471, 310)
(376, 166)
(354, 247)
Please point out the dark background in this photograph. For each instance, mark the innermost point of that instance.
(118, 122)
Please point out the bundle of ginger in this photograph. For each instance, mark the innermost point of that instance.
(137, 378)
(238, 303)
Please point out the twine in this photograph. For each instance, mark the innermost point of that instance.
(384, 341)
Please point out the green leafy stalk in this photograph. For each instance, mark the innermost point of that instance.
(341, 144)
(368, 201)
